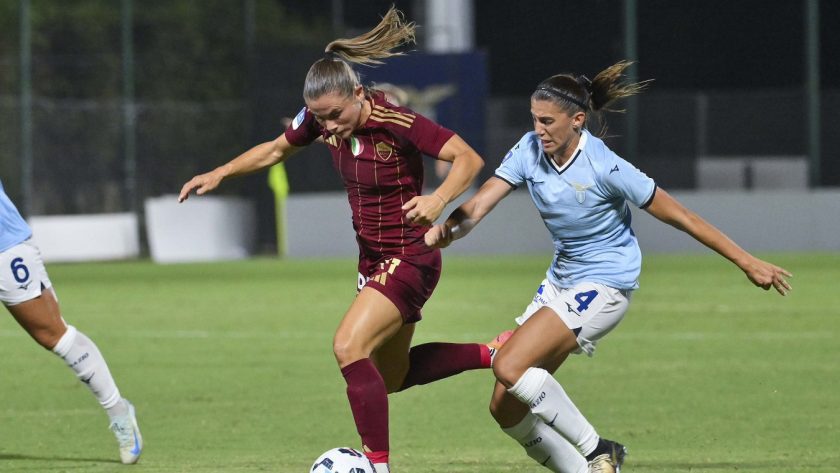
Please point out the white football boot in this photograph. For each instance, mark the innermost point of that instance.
(127, 432)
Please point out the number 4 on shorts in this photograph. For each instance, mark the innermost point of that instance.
(584, 299)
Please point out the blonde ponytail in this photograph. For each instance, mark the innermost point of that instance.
(377, 43)
(333, 73)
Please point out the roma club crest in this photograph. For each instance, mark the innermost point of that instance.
(384, 150)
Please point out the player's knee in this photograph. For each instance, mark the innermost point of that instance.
(48, 337)
(507, 411)
(346, 351)
(507, 369)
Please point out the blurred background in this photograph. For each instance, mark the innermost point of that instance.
(107, 103)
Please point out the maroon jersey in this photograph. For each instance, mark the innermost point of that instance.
(382, 169)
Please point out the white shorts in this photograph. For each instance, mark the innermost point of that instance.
(22, 274)
(591, 310)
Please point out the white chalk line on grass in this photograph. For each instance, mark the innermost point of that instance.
(421, 336)
(95, 410)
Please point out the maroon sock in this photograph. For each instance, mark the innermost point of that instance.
(433, 361)
(369, 402)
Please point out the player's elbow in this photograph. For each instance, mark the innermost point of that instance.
(476, 162)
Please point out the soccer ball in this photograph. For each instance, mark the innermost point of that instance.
(342, 460)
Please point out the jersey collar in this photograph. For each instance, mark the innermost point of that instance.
(584, 137)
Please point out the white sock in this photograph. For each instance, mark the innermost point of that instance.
(548, 401)
(382, 468)
(84, 358)
(546, 446)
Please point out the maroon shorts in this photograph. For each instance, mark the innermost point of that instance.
(407, 281)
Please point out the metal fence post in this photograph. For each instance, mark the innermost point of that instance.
(812, 88)
(128, 107)
(631, 53)
(26, 165)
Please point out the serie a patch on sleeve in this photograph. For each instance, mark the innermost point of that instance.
(299, 118)
(507, 156)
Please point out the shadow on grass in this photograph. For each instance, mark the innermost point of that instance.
(18, 456)
(760, 465)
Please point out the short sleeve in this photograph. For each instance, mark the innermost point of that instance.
(303, 130)
(513, 164)
(428, 136)
(625, 180)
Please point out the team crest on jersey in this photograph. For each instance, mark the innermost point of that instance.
(580, 191)
(356, 146)
(299, 118)
(384, 150)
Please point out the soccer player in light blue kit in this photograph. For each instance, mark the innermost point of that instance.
(26, 291)
(581, 190)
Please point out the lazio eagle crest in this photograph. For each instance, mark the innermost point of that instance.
(580, 191)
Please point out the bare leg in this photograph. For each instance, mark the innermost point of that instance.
(41, 318)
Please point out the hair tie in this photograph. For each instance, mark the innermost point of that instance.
(331, 55)
(584, 81)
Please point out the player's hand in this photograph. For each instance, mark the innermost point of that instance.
(766, 275)
(439, 236)
(201, 184)
(424, 209)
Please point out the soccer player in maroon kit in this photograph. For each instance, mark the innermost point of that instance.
(377, 148)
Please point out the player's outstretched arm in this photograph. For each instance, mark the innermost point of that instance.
(466, 163)
(259, 157)
(467, 216)
(761, 273)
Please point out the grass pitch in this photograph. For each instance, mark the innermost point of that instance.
(231, 370)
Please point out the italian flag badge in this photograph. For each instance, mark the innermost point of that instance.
(356, 146)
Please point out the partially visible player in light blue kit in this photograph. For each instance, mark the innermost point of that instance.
(26, 291)
(582, 191)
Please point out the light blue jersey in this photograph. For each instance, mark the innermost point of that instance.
(13, 228)
(584, 206)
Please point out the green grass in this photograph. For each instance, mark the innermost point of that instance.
(231, 370)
